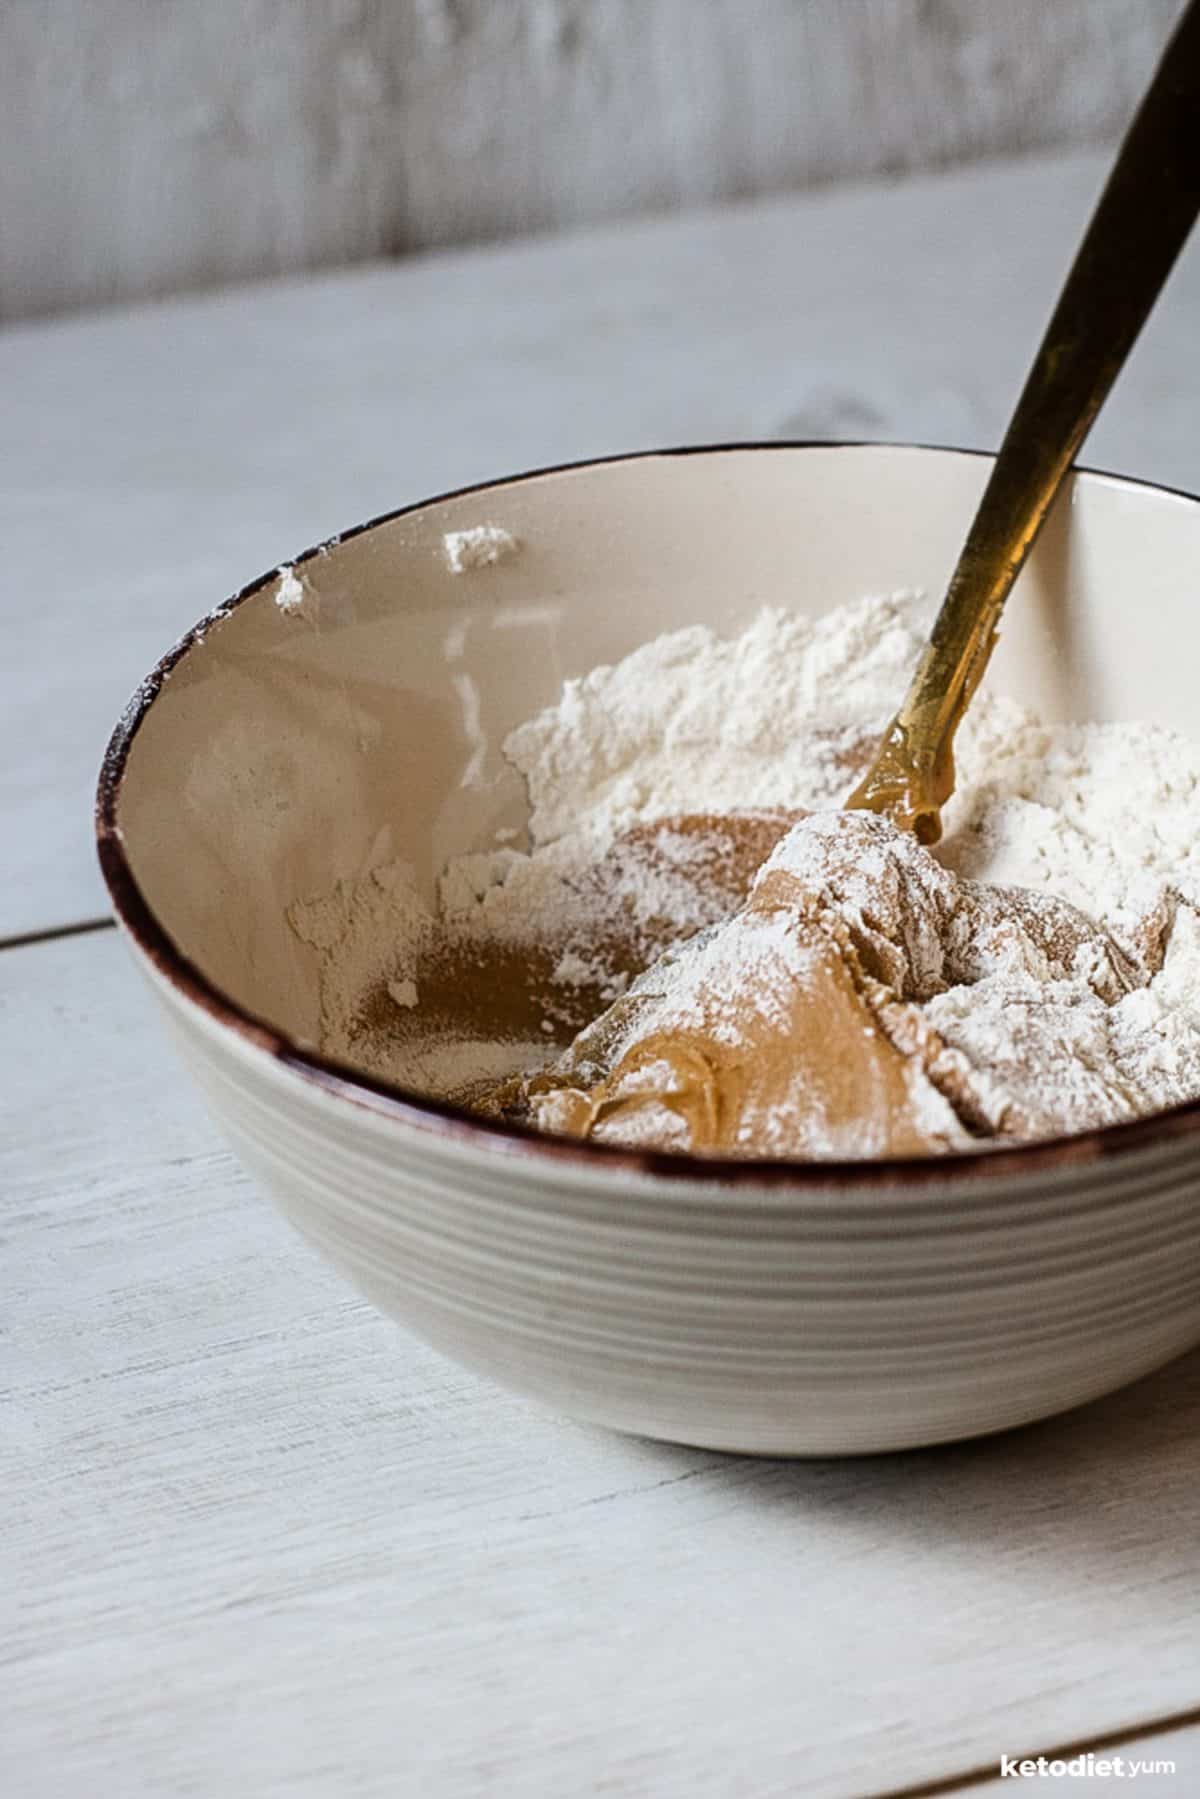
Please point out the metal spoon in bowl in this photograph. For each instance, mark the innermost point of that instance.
(1143, 217)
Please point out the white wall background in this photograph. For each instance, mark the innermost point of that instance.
(153, 145)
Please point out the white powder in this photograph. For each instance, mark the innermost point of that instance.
(695, 721)
(293, 597)
(781, 717)
(477, 546)
(369, 935)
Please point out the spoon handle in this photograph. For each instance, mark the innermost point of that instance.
(1138, 228)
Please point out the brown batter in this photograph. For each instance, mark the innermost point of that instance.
(493, 989)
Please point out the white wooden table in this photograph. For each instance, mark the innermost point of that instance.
(258, 1542)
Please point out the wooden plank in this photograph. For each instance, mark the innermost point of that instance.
(157, 459)
(258, 1540)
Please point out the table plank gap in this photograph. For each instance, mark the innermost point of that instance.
(25, 939)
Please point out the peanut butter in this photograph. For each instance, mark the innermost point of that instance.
(806, 1050)
(805, 1025)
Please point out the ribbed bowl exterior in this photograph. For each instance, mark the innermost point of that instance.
(774, 1320)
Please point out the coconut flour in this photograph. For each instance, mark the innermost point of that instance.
(697, 927)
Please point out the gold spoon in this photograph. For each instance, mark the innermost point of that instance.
(1138, 228)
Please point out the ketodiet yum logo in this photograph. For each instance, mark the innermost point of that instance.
(1081, 1767)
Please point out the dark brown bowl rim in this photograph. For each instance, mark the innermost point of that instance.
(455, 1124)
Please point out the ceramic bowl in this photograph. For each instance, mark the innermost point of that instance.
(780, 1308)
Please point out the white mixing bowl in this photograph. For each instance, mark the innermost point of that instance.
(781, 1308)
